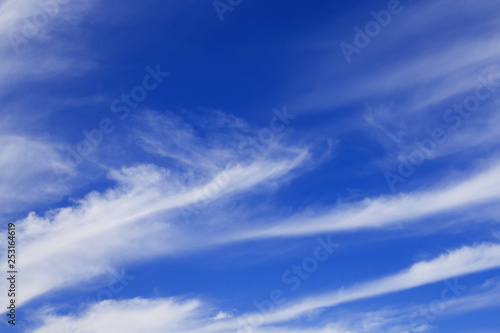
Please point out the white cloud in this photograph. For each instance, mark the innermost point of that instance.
(481, 188)
(428, 75)
(26, 173)
(136, 315)
(222, 315)
(195, 317)
(28, 50)
(104, 230)
(136, 219)
(459, 262)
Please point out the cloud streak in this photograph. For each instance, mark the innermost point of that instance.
(106, 229)
(386, 211)
(195, 316)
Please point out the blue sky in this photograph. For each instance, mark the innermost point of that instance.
(251, 166)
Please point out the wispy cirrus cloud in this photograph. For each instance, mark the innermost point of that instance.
(145, 205)
(160, 163)
(26, 174)
(478, 189)
(197, 316)
(459, 262)
(419, 79)
(97, 232)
